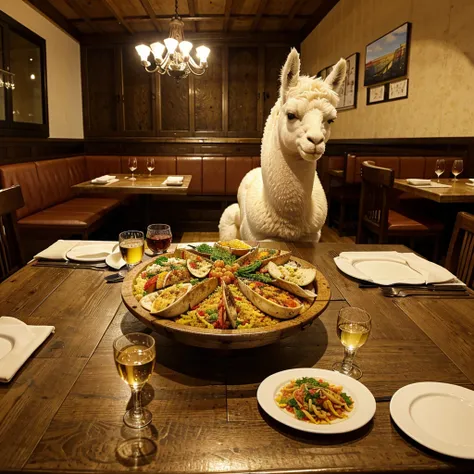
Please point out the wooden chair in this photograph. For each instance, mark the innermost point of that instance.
(11, 257)
(460, 259)
(376, 217)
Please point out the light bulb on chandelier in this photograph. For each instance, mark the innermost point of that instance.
(177, 61)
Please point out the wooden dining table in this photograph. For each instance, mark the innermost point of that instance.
(63, 410)
(144, 184)
(458, 192)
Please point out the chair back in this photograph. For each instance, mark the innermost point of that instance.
(11, 257)
(374, 201)
(460, 259)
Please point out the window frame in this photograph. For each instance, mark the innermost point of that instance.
(8, 127)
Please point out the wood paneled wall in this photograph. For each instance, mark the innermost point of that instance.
(232, 99)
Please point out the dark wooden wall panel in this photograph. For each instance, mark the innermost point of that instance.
(174, 101)
(138, 94)
(274, 59)
(101, 91)
(208, 95)
(243, 89)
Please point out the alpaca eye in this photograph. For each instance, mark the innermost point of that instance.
(291, 116)
(331, 121)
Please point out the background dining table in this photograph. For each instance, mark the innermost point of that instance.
(63, 410)
(458, 192)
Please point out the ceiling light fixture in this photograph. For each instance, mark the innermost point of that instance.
(177, 61)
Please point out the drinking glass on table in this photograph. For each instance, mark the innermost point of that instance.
(132, 247)
(353, 328)
(150, 164)
(135, 356)
(158, 238)
(457, 168)
(440, 167)
(132, 165)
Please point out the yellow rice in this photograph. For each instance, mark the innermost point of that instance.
(139, 287)
(247, 312)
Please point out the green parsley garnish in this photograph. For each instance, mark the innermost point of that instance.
(194, 281)
(347, 399)
(161, 260)
(299, 414)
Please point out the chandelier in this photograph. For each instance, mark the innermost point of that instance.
(177, 61)
(9, 82)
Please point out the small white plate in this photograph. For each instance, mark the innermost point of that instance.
(438, 415)
(364, 401)
(115, 261)
(91, 253)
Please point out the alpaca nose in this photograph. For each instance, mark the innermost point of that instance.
(315, 140)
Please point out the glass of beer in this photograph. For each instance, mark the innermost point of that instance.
(150, 165)
(135, 356)
(132, 247)
(158, 238)
(353, 328)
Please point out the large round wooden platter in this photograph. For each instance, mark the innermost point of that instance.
(227, 338)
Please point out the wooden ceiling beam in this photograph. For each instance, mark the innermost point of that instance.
(261, 8)
(48, 10)
(227, 13)
(192, 11)
(295, 9)
(121, 21)
(324, 8)
(74, 6)
(151, 13)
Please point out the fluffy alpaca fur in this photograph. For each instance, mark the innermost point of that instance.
(284, 199)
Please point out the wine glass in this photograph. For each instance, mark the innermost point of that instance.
(440, 167)
(150, 164)
(135, 356)
(353, 328)
(457, 168)
(132, 246)
(132, 165)
(158, 238)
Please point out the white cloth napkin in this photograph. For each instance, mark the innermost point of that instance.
(17, 342)
(59, 249)
(106, 179)
(471, 180)
(419, 182)
(415, 269)
(469, 184)
(174, 181)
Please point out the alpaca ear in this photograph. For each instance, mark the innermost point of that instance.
(337, 76)
(290, 73)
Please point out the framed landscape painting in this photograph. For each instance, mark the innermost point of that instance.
(387, 58)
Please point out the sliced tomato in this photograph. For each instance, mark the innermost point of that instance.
(150, 285)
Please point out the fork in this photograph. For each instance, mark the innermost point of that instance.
(399, 293)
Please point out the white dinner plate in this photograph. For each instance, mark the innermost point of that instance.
(91, 253)
(364, 401)
(438, 415)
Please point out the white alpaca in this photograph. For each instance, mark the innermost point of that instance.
(284, 199)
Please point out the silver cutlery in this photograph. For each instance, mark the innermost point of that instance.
(114, 278)
(84, 266)
(403, 293)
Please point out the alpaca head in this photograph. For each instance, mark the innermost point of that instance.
(307, 108)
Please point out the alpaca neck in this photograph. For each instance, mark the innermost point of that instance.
(288, 179)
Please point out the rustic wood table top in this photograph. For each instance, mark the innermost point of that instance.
(63, 410)
(458, 192)
(142, 185)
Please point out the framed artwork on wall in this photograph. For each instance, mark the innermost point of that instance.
(348, 94)
(387, 57)
(398, 90)
(376, 94)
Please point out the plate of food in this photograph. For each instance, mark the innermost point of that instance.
(209, 299)
(316, 400)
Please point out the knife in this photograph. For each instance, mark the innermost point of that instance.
(70, 265)
(433, 286)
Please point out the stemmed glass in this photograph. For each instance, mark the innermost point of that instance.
(440, 167)
(353, 328)
(135, 356)
(132, 247)
(132, 165)
(457, 168)
(150, 164)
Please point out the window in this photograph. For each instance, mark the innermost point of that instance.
(23, 97)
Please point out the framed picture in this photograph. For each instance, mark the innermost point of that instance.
(398, 90)
(348, 94)
(376, 94)
(387, 58)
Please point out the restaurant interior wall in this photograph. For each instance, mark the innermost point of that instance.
(440, 69)
(63, 70)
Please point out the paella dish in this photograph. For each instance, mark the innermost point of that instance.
(215, 287)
